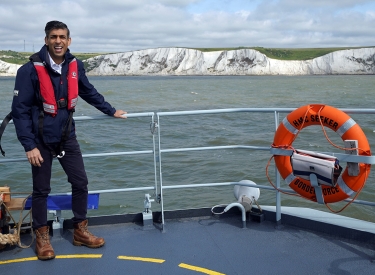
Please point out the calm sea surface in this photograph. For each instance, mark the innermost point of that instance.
(155, 94)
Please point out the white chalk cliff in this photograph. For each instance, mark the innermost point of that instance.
(7, 69)
(181, 61)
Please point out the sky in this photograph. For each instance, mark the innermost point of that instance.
(107, 26)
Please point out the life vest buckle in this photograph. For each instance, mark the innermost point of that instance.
(62, 103)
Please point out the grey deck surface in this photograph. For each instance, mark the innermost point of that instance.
(207, 245)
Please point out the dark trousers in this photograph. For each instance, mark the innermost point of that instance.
(72, 163)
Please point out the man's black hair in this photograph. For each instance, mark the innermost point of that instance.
(55, 25)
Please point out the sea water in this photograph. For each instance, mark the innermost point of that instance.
(140, 94)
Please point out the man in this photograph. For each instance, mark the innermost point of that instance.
(45, 94)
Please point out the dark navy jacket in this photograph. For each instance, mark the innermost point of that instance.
(26, 104)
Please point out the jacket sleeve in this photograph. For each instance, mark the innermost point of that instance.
(23, 102)
(88, 93)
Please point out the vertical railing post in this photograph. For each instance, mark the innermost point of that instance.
(160, 175)
(154, 126)
(278, 194)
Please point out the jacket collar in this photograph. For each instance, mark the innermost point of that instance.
(43, 55)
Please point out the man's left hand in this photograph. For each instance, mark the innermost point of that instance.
(120, 114)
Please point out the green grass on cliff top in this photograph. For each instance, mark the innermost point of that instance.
(287, 53)
(276, 53)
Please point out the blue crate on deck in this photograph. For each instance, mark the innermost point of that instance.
(64, 202)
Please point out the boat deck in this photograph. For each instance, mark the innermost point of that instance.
(203, 244)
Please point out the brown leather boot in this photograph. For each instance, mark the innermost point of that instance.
(82, 236)
(43, 248)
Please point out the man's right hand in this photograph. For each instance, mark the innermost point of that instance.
(34, 157)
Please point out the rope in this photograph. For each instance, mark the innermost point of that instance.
(334, 145)
(345, 149)
(256, 202)
(11, 239)
(14, 238)
(350, 202)
(270, 181)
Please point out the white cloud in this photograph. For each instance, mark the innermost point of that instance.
(124, 25)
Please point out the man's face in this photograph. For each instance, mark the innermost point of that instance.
(58, 43)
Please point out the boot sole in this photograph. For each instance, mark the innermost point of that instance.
(76, 243)
(46, 258)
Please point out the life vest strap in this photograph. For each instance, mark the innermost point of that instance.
(2, 128)
(66, 133)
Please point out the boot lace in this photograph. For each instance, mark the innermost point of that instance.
(43, 237)
(85, 230)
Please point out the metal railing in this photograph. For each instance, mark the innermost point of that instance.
(276, 112)
(158, 151)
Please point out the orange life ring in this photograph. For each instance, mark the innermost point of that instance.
(337, 121)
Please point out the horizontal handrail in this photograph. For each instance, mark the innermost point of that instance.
(218, 111)
(199, 185)
(257, 110)
(118, 154)
(252, 185)
(95, 117)
(213, 148)
(90, 155)
(146, 188)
